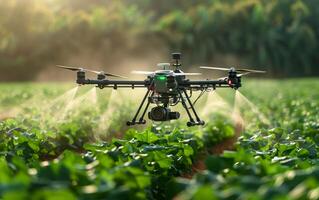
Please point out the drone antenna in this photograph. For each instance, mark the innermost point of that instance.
(177, 57)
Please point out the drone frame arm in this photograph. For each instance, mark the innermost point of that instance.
(114, 83)
(188, 84)
(204, 84)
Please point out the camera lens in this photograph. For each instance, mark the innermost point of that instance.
(158, 113)
(174, 115)
(161, 113)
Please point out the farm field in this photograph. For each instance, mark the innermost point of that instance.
(59, 141)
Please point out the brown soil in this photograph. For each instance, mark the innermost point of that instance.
(228, 144)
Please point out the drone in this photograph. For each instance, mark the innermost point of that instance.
(165, 89)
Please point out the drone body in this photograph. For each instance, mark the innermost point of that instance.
(165, 89)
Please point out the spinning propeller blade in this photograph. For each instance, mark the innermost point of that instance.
(175, 74)
(250, 71)
(70, 68)
(238, 75)
(142, 72)
(187, 74)
(228, 69)
(114, 75)
(243, 74)
(88, 70)
(215, 68)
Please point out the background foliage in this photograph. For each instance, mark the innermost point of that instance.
(280, 36)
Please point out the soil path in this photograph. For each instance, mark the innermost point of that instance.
(228, 144)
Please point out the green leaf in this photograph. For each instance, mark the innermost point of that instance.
(204, 192)
(147, 136)
(163, 160)
(188, 151)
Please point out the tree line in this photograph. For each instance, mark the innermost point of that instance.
(279, 36)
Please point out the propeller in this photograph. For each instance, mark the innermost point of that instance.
(70, 68)
(142, 72)
(175, 74)
(238, 75)
(109, 74)
(216, 68)
(243, 74)
(187, 74)
(228, 69)
(88, 70)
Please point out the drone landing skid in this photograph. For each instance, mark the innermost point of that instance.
(141, 120)
(191, 122)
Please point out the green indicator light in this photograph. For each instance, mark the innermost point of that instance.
(162, 78)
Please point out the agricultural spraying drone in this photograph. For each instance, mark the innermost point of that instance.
(165, 88)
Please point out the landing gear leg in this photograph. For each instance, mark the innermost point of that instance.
(144, 112)
(191, 120)
(141, 120)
